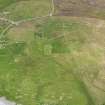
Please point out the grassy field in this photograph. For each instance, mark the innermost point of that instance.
(52, 60)
(5, 3)
(49, 59)
(25, 9)
(31, 75)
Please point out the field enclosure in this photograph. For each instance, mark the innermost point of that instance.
(52, 52)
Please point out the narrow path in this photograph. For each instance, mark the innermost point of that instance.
(5, 30)
(30, 19)
(9, 21)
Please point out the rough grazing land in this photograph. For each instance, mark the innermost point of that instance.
(87, 8)
(52, 52)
